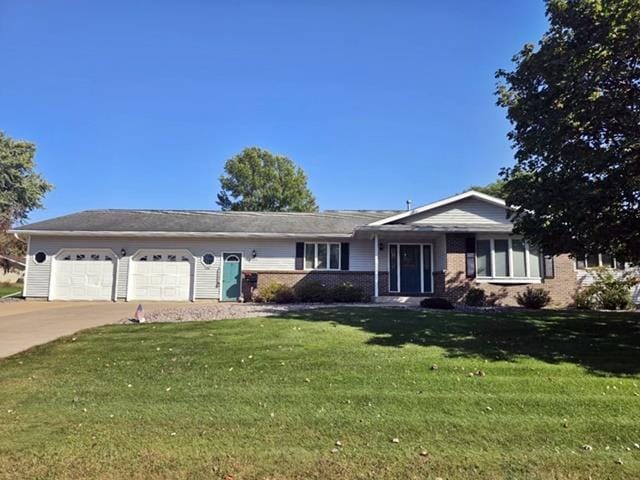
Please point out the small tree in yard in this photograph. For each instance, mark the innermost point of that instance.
(574, 103)
(21, 190)
(256, 180)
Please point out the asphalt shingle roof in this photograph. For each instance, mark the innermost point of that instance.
(198, 221)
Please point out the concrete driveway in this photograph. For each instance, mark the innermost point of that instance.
(24, 324)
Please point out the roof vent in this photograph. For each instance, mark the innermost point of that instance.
(408, 204)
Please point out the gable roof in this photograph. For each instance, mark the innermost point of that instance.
(440, 203)
(203, 223)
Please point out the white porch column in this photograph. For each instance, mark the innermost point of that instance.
(376, 249)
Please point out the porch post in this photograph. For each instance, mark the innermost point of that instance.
(376, 249)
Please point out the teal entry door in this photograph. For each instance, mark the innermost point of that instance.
(410, 267)
(231, 270)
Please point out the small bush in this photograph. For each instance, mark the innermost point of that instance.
(276, 293)
(584, 300)
(347, 293)
(535, 298)
(607, 292)
(475, 297)
(312, 292)
(438, 303)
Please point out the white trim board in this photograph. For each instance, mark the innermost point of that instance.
(441, 203)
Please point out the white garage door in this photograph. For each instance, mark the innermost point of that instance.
(161, 275)
(83, 275)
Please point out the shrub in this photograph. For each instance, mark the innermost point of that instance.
(276, 293)
(438, 303)
(606, 292)
(347, 293)
(535, 298)
(584, 299)
(312, 292)
(475, 297)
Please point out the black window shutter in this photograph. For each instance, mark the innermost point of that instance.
(548, 266)
(344, 256)
(470, 257)
(299, 255)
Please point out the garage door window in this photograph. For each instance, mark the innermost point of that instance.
(171, 258)
(157, 258)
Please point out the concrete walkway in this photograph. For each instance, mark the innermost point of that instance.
(25, 324)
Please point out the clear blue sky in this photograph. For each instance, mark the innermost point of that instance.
(137, 104)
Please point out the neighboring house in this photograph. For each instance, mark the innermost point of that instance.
(440, 249)
(11, 269)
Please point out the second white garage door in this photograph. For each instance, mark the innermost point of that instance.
(161, 275)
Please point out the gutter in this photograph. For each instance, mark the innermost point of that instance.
(111, 233)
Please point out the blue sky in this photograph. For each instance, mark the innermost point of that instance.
(139, 104)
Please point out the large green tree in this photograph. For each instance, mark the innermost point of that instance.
(574, 104)
(495, 189)
(21, 189)
(257, 180)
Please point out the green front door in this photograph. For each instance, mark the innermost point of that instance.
(231, 269)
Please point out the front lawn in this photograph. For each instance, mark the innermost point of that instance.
(9, 288)
(517, 396)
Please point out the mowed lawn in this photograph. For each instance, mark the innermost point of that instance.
(9, 288)
(514, 395)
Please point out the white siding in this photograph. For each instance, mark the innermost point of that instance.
(272, 254)
(585, 278)
(469, 210)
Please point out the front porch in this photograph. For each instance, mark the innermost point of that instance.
(408, 266)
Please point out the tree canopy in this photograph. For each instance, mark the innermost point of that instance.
(257, 180)
(574, 105)
(495, 189)
(21, 189)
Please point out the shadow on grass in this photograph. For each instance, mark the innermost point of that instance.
(603, 343)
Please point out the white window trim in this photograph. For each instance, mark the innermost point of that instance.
(328, 256)
(493, 278)
(600, 264)
(397, 245)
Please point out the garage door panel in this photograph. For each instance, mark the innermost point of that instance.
(160, 276)
(74, 277)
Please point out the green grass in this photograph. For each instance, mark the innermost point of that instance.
(268, 398)
(9, 288)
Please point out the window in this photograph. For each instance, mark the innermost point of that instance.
(208, 258)
(519, 258)
(322, 256)
(157, 258)
(171, 258)
(40, 257)
(80, 257)
(594, 260)
(184, 258)
(95, 256)
(334, 256)
(509, 258)
(309, 256)
(108, 258)
(143, 258)
(66, 257)
(483, 261)
(501, 257)
(393, 268)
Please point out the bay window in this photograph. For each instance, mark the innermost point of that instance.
(510, 259)
(322, 256)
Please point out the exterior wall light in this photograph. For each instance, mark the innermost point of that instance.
(123, 253)
(254, 254)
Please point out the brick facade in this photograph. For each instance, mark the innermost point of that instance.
(255, 280)
(562, 287)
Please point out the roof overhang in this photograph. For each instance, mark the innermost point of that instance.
(111, 233)
(442, 203)
(367, 230)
